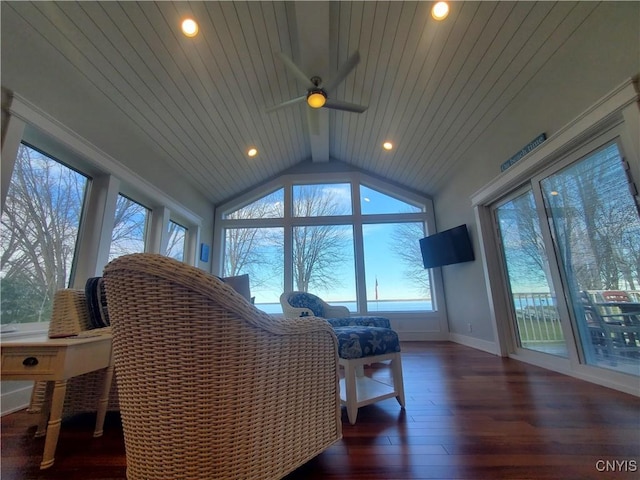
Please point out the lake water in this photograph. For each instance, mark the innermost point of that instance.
(372, 307)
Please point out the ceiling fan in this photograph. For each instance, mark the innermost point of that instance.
(317, 95)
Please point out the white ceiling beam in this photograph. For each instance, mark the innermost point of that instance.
(312, 20)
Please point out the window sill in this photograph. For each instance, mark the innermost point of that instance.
(25, 330)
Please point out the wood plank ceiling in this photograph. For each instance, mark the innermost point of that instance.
(432, 88)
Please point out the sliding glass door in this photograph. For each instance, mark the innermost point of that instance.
(536, 322)
(574, 234)
(595, 228)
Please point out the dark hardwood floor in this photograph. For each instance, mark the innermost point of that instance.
(470, 415)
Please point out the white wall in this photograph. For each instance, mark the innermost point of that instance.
(591, 64)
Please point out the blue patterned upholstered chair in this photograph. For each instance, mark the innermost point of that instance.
(362, 340)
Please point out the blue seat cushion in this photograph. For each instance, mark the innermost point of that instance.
(360, 322)
(363, 341)
(307, 300)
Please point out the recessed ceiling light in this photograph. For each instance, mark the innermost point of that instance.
(252, 152)
(387, 145)
(440, 10)
(189, 27)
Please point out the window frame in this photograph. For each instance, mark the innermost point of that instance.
(147, 221)
(107, 178)
(615, 117)
(11, 328)
(356, 220)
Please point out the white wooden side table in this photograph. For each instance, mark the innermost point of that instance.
(56, 361)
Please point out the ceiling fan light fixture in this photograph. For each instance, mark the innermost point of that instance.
(440, 10)
(189, 27)
(316, 98)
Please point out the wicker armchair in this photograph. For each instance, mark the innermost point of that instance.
(211, 387)
(70, 316)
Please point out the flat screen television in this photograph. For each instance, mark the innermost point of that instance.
(447, 247)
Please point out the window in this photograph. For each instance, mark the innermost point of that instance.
(53, 214)
(596, 235)
(321, 200)
(395, 277)
(176, 243)
(130, 228)
(567, 238)
(374, 202)
(533, 300)
(321, 232)
(40, 225)
(323, 263)
(269, 206)
(258, 252)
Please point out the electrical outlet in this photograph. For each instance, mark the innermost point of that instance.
(469, 327)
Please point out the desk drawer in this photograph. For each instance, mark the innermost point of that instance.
(29, 362)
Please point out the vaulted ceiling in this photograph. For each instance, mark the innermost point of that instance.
(432, 88)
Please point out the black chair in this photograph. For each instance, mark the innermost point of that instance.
(614, 333)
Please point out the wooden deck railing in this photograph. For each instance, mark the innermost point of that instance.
(538, 319)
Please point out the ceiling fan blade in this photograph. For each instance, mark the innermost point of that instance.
(343, 71)
(293, 68)
(346, 106)
(288, 103)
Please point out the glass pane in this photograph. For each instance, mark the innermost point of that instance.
(323, 263)
(596, 232)
(269, 206)
(177, 237)
(395, 278)
(259, 253)
(321, 200)
(40, 225)
(373, 202)
(130, 228)
(533, 300)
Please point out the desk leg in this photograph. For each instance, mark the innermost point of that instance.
(41, 431)
(53, 429)
(103, 401)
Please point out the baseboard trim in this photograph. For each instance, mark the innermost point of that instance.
(15, 400)
(484, 345)
(422, 336)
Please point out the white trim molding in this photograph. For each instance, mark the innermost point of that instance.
(608, 111)
(17, 398)
(32, 115)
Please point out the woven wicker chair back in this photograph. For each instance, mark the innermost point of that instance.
(211, 387)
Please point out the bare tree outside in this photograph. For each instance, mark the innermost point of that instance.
(40, 225)
(254, 251)
(523, 241)
(130, 228)
(597, 228)
(405, 245)
(175, 245)
(319, 249)
(318, 252)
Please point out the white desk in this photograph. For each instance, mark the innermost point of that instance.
(56, 361)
